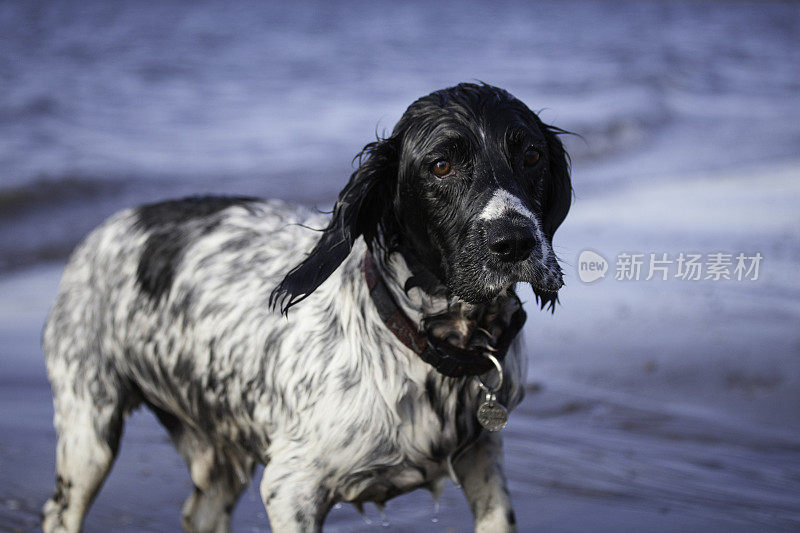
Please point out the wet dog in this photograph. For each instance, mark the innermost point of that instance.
(352, 360)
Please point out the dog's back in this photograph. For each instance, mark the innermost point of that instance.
(167, 304)
(154, 297)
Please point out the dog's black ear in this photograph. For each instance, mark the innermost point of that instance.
(361, 209)
(558, 190)
(557, 198)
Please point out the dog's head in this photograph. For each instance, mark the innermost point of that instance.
(471, 183)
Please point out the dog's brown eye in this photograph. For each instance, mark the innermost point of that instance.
(531, 156)
(442, 168)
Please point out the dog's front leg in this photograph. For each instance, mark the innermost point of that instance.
(294, 497)
(480, 472)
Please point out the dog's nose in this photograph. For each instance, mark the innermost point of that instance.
(511, 242)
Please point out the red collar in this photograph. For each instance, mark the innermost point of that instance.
(444, 357)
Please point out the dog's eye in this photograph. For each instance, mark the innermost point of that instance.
(442, 168)
(530, 157)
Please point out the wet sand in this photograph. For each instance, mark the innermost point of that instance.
(574, 463)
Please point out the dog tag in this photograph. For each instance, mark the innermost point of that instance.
(491, 414)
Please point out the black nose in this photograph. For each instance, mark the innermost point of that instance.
(511, 242)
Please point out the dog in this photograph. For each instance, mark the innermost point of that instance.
(358, 356)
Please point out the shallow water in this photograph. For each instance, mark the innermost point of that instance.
(107, 105)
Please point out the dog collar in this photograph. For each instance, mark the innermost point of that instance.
(447, 359)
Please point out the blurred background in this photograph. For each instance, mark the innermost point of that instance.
(671, 403)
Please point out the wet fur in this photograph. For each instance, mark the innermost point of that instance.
(171, 306)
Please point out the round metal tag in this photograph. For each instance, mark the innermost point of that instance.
(492, 416)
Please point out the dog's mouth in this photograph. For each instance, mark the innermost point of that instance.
(481, 279)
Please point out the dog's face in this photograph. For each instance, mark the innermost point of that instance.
(470, 182)
(475, 191)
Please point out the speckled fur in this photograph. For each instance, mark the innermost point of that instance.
(168, 306)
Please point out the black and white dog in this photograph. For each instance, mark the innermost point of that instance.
(395, 314)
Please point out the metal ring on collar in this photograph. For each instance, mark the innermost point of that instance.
(484, 386)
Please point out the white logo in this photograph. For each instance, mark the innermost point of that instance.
(591, 266)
